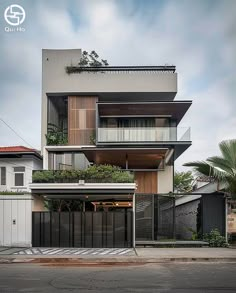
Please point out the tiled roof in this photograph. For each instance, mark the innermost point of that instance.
(13, 149)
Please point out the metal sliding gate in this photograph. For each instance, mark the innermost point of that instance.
(82, 229)
(154, 217)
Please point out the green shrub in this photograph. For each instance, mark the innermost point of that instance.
(95, 173)
(194, 235)
(122, 177)
(13, 192)
(43, 177)
(56, 135)
(215, 239)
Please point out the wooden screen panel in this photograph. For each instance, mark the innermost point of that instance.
(81, 119)
(146, 181)
(91, 119)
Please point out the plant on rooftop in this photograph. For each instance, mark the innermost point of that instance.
(43, 176)
(95, 173)
(13, 192)
(56, 135)
(87, 60)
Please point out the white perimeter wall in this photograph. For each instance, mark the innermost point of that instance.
(16, 208)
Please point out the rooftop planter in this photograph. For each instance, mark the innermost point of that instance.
(88, 60)
(79, 69)
(13, 192)
(94, 174)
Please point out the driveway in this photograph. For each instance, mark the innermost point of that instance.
(68, 251)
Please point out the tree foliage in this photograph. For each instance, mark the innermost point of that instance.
(63, 205)
(183, 182)
(221, 168)
(91, 59)
(56, 135)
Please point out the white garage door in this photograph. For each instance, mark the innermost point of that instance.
(15, 220)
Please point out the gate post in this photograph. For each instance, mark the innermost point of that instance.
(174, 220)
(134, 210)
(153, 215)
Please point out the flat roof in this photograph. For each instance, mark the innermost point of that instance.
(175, 110)
(168, 68)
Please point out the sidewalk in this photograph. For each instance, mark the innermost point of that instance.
(139, 256)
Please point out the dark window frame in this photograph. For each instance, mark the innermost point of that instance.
(19, 170)
(3, 176)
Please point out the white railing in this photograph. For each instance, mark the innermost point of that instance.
(150, 134)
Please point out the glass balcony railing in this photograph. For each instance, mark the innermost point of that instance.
(151, 134)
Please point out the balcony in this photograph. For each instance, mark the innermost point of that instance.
(122, 79)
(94, 174)
(144, 135)
(94, 182)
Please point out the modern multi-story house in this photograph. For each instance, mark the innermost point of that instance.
(123, 115)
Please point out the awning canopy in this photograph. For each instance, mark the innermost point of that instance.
(85, 191)
(175, 110)
(134, 158)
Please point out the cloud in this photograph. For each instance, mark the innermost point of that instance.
(196, 36)
(212, 119)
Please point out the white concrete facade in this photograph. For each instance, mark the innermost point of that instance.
(29, 164)
(165, 180)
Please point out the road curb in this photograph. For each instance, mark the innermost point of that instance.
(113, 261)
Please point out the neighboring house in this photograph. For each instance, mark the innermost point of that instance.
(16, 165)
(123, 115)
(16, 204)
(202, 210)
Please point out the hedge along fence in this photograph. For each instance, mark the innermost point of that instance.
(94, 174)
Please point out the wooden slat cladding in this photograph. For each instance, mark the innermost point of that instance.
(81, 119)
(146, 181)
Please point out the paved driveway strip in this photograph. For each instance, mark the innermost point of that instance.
(75, 251)
(10, 250)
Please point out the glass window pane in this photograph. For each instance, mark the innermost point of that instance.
(80, 162)
(19, 169)
(50, 161)
(19, 179)
(59, 161)
(3, 175)
(68, 161)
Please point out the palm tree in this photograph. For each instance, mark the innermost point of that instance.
(221, 168)
(183, 181)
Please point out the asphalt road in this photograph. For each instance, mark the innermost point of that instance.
(190, 277)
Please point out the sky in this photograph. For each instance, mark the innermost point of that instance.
(198, 37)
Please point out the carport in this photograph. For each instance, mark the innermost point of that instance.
(89, 229)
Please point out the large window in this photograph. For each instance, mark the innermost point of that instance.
(19, 176)
(67, 161)
(138, 122)
(3, 175)
(57, 118)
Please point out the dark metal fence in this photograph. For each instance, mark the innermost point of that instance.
(82, 229)
(163, 217)
(155, 217)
